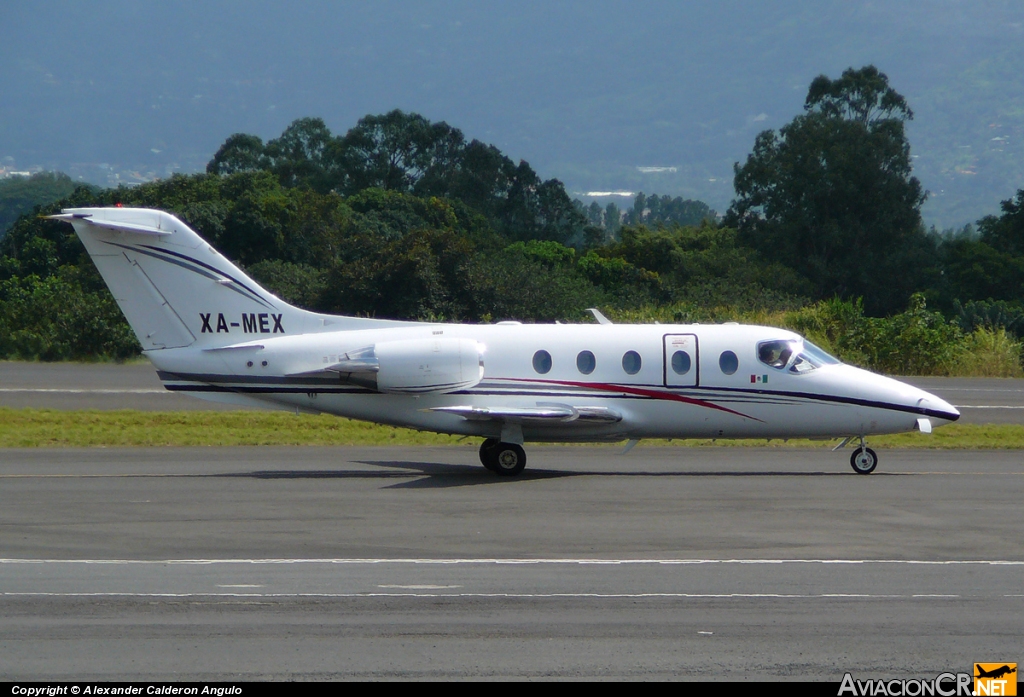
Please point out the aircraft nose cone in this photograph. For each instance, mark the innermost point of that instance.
(937, 408)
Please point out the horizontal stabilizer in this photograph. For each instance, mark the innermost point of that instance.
(238, 347)
(116, 225)
(548, 413)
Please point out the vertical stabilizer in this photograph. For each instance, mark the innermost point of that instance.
(174, 288)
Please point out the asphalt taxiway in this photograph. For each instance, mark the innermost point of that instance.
(326, 563)
(320, 563)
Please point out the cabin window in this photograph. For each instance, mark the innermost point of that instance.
(681, 362)
(586, 362)
(728, 362)
(631, 362)
(542, 362)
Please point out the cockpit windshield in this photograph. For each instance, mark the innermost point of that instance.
(793, 355)
(818, 354)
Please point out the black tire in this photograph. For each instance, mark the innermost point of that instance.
(488, 456)
(863, 460)
(510, 459)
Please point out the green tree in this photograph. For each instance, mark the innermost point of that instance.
(298, 284)
(241, 152)
(62, 317)
(703, 264)
(398, 151)
(301, 156)
(974, 270)
(408, 154)
(1006, 233)
(533, 282)
(831, 194)
(20, 195)
(422, 275)
(483, 180)
(612, 218)
(665, 210)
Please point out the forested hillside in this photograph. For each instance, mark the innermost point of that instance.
(402, 217)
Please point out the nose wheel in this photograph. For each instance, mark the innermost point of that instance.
(504, 459)
(863, 460)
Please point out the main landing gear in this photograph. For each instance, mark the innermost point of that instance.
(504, 459)
(863, 460)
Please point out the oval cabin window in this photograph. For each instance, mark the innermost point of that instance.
(728, 362)
(586, 362)
(542, 361)
(631, 362)
(681, 362)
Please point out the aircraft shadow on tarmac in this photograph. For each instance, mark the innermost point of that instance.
(440, 475)
(431, 474)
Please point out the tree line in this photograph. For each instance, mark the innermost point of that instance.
(402, 217)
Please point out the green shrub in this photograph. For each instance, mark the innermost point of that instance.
(991, 314)
(55, 319)
(915, 342)
(990, 353)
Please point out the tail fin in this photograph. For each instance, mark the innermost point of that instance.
(176, 290)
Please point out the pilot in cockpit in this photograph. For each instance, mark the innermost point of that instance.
(775, 353)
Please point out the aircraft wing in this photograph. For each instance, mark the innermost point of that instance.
(542, 413)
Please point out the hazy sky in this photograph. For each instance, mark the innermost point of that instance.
(586, 91)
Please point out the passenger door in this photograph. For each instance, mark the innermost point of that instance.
(681, 360)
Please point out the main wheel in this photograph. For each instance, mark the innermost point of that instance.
(488, 456)
(863, 460)
(510, 459)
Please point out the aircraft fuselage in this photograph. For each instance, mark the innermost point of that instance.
(754, 400)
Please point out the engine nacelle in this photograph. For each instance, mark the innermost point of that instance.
(415, 366)
(428, 365)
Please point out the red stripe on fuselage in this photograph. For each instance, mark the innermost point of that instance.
(638, 391)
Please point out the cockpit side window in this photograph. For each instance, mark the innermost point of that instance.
(776, 353)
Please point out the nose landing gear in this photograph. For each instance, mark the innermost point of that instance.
(504, 459)
(863, 460)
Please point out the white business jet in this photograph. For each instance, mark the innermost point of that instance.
(213, 332)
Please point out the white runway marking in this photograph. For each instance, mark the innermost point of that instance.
(951, 562)
(598, 579)
(774, 596)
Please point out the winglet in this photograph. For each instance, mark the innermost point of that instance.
(601, 319)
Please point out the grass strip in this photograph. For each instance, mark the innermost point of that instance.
(49, 428)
